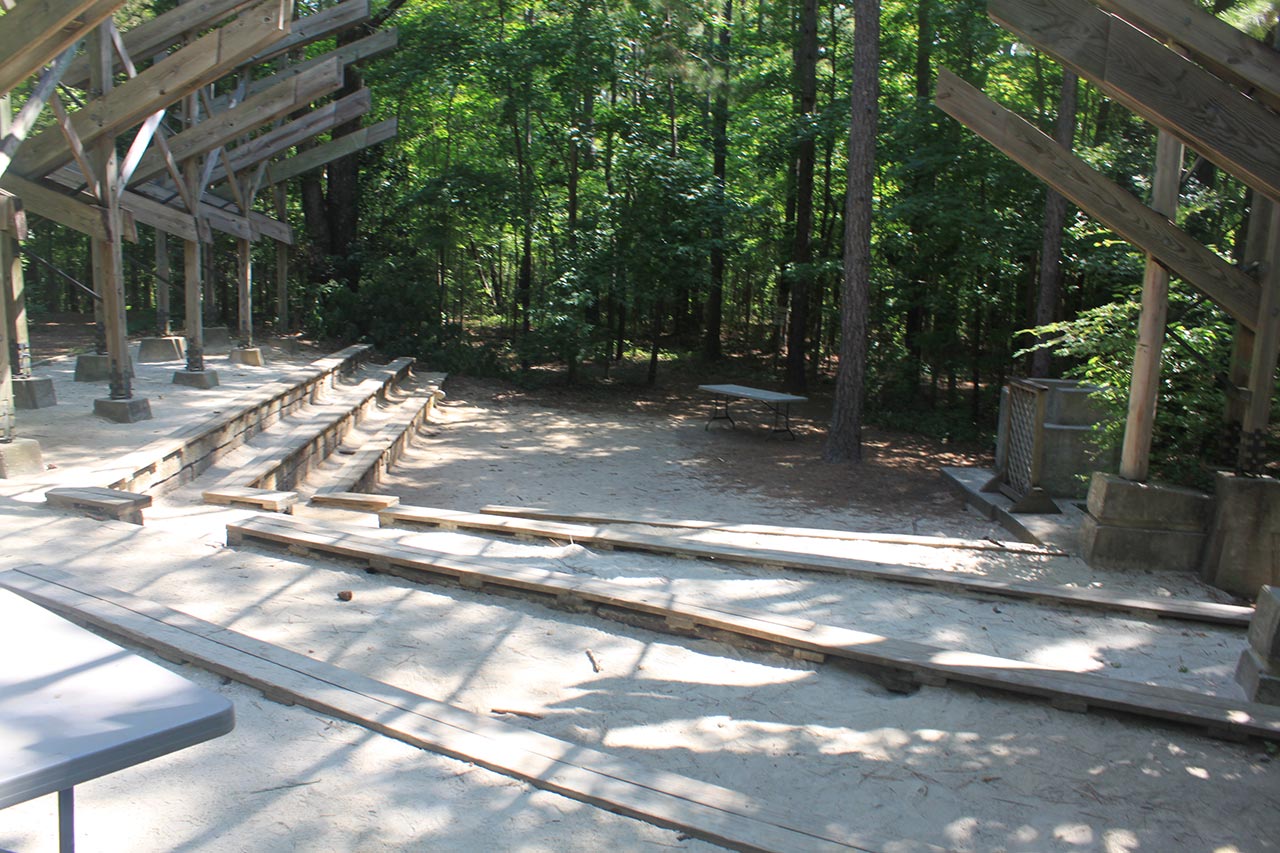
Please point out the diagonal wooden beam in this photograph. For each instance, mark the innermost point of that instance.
(374, 45)
(316, 26)
(165, 82)
(164, 31)
(25, 120)
(36, 31)
(1171, 92)
(256, 111)
(286, 136)
(1251, 65)
(314, 158)
(56, 207)
(1098, 196)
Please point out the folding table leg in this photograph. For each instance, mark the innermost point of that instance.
(67, 821)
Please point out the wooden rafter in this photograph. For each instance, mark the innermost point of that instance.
(314, 158)
(316, 26)
(256, 111)
(374, 45)
(1172, 92)
(1248, 63)
(281, 139)
(165, 82)
(164, 31)
(25, 120)
(1100, 197)
(33, 33)
(56, 207)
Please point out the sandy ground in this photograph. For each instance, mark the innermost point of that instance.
(958, 768)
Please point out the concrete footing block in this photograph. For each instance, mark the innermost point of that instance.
(34, 393)
(202, 379)
(1260, 680)
(128, 411)
(20, 457)
(168, 348)
(216, 336)
(251, 356)
(97, 368)
(1140, 526)
(1243, 550)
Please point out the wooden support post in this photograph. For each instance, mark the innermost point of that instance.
(1144, 387)
(282, 265)
(10, 261)
(11, 282)
(164, 277)
(1266, 349)
(192, 270)
(108, 259)
(244, 280)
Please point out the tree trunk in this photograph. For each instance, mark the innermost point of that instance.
(720, 155)
(1055, 220)
(844, 440)
(806, 65)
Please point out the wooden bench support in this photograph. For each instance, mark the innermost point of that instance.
(859, 648)
(267, 499)
(699, 809)
(605, 538)
(100, 503)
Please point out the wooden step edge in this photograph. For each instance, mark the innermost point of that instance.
(353, 500)
(247, 496)
(1196, 611)
(775, 530)
(710, 812)
(1169, 704)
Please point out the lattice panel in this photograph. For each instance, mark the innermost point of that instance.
(1020, 458)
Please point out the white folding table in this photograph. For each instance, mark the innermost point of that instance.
(774, 401)
(74, 707)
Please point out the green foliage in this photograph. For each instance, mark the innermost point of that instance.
(1100, 342)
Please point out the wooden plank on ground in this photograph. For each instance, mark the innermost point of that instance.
(1166, 89)
(774, 530)
(1100, 197)
(702, 810)
(931, 664)
(1062, 596)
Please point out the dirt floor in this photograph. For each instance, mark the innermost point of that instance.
(954, 767)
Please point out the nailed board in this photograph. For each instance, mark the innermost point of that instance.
(774, 530)
(930, 664)
(719, 815)
(1199, 611)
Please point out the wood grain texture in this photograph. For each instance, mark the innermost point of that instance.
(1249, 64)
(164, 83)
(1100, 197)
(1173, 93)
(36, 31)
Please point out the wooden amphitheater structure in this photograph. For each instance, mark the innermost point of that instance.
(215, 108)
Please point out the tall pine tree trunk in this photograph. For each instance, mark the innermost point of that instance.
(806, 65)
(720, 156)
(1055, 220)
(844, 440)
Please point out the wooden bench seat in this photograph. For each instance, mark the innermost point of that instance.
(101, 503)
(267, 499)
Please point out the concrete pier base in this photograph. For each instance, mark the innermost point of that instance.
(34, 393)
(128, 411)
(20, 457)
(169, 348)
(202, 379)
(1143, 526)
(251, 356)
(1243, 550)
(1259, 669)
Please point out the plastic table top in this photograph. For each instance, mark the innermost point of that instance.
(74, 706)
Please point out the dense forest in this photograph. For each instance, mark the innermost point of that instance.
(578, 182)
